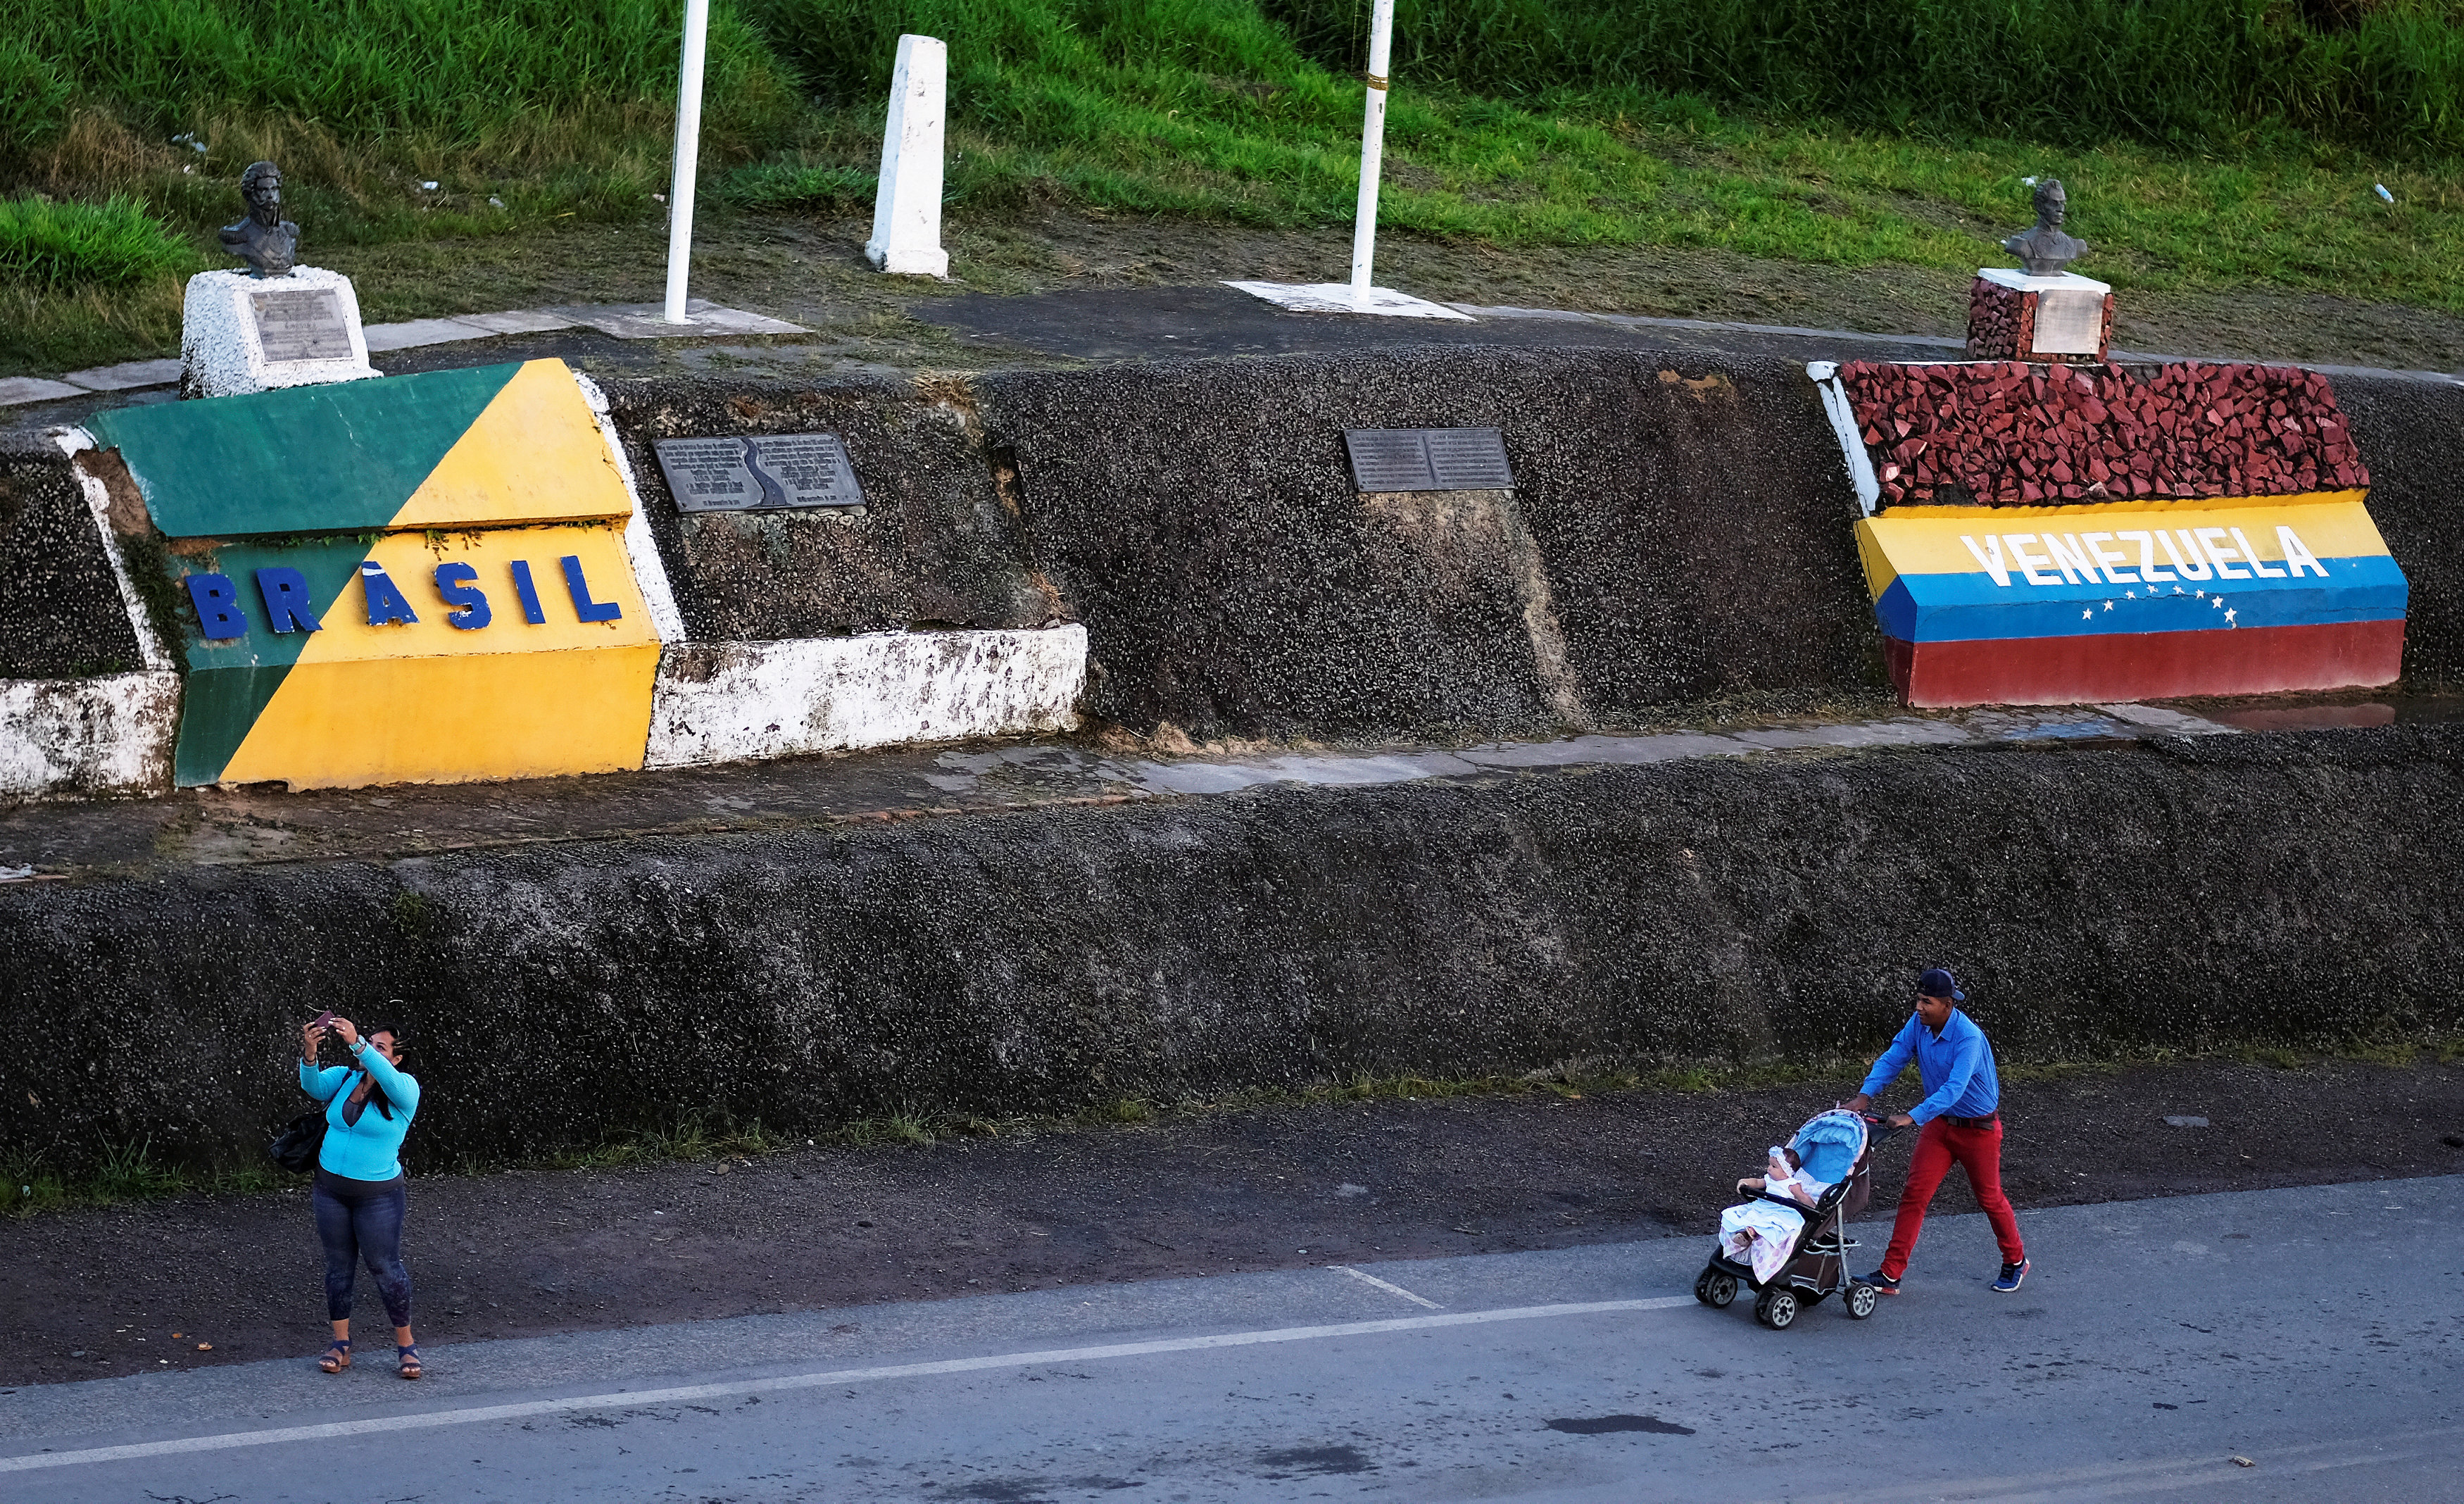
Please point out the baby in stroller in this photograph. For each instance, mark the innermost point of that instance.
(1760, 1234)
(1790, 1243)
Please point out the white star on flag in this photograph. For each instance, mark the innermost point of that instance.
(2084, 615)
(2229, 615)
(2215, 602)
(2130, 595)
(2108, 605)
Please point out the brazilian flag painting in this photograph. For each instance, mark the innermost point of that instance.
(420, 579)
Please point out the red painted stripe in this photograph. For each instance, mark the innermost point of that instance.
(2156, 665)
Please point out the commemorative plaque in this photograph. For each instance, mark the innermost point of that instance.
(301, 325)
(772, 471)
(1428, 459)
(2069, 322)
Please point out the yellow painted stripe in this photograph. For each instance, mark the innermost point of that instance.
(1879, 571)
(533, 455)
(455, 718)
(2086, 508)
(429, 702)
(1932, 545)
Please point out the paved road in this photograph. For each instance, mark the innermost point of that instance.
(2314, 1332)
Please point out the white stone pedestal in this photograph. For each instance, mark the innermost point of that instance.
(907, 207)
(240, 332)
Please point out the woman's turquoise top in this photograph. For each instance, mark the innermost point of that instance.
(371, 1148)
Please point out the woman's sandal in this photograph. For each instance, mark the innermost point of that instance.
(337, 1357)
(409, 1357)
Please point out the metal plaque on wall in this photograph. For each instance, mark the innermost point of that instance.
(1428, 459)
(763, 474)
(301, 325)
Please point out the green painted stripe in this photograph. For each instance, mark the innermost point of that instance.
(229, 683)
(338, 458)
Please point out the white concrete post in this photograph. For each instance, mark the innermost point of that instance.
(680, 191)
(1372, 149)
(907, 207)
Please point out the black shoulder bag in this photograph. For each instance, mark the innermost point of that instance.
(297, 1146)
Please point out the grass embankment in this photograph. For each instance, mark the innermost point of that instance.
(2207, 143)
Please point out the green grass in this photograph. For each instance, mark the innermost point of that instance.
(55, 246)
(2209, 144)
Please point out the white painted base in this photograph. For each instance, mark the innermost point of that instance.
(2029, 282)
(906, 205)
(1336, 297)
(733, 701)
(102, 736)
(220, 352)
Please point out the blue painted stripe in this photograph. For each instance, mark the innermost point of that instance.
(1970, 607)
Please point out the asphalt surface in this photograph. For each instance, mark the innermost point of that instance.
(2287, 1344)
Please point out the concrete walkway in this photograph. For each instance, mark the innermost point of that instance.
(2259, 1345)
(264, 824)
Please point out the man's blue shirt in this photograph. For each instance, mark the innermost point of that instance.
(1956, 1067)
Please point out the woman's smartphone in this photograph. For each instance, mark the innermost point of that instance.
(321, 1019)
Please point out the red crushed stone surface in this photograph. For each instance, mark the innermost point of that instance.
(2002, 326)
(2015, 433)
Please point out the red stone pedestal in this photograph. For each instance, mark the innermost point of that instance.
(2066, 319)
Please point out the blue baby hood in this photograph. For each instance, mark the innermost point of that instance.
(1830, 1144)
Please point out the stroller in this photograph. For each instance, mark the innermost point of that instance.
(1837, 1148)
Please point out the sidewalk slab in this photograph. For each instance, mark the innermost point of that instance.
(518, 321)
(422, 331)
(648, 320)
(18, 391)
(126, 376)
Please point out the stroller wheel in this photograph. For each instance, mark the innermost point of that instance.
(1860, 1300)
(1775, 1309)
(1715, 1287)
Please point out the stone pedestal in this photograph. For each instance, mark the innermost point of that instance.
(240, 332)
(2014, 316)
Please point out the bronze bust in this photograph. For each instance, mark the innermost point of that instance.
(2047, 251)
(265, 240)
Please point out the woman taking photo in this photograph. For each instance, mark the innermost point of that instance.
(359, 1196)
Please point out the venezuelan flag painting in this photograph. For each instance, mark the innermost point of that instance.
(2136, 600)
(420, 579)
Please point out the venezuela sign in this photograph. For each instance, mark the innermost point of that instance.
(419, 579)
(2137, 600)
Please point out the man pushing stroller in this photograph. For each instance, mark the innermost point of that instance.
(1961, 1119)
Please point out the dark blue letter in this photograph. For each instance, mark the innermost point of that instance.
(386, 604)
(454, 582)
(217, 606)
(287, 605)
(529, 593)
(584, 607)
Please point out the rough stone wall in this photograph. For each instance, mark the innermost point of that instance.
(1675, 531)
(61, 609)
(2286, 887)
(2413, 434)
(935, 543)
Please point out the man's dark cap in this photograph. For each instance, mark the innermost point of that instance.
(1940, 983)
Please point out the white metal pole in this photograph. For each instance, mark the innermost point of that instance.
(1372, 149)
(680, 192)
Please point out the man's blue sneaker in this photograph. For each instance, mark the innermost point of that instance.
(2011, 1274)
(1884, 1284)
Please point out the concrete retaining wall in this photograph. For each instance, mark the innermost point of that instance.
(2287, 887)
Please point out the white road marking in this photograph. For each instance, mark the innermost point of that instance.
(688, 1393)
(1389, 1288)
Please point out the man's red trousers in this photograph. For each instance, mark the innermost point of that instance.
(1979, 1152)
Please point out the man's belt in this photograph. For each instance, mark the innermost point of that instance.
(1986, 1121)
